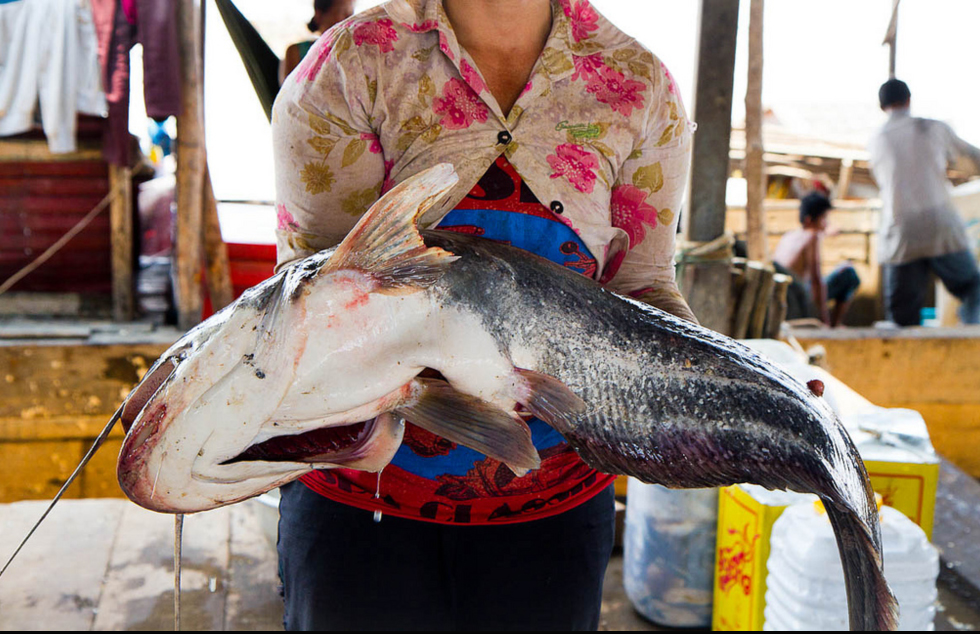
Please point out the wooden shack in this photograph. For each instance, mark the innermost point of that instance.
(44, 195)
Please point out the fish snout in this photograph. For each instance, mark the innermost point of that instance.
(146, 389)
(138, 446)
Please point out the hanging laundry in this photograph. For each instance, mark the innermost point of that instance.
(153, 24)
(48, 57)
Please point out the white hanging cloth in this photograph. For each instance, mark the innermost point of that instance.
(48, 55)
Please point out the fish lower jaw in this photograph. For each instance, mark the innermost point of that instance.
(330, 446)
(317, 445)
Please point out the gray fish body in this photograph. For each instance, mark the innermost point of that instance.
(669, 402)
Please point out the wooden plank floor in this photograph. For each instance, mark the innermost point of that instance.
(106, 564)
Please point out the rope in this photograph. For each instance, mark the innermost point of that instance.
(62, 241)
(178, 537)
(717, 250)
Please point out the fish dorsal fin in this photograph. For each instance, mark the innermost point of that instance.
(387, 245)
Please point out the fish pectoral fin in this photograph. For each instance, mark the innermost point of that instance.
(387, 245)
(549, 399)
(472, 422)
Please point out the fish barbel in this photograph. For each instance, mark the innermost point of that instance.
(317, 367)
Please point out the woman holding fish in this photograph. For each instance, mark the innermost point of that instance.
(570, 141)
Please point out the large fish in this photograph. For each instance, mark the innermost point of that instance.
(318, 366)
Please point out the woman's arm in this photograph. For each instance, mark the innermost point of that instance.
(329, 164)
(646, 198)
(817, 285)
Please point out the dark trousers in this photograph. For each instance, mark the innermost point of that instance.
(341, 570)
(842, 284)
(905, 286)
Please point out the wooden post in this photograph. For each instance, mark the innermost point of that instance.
(707, 286)
(218, 275)
(216, 252)
(777, 307)
(746, 300)
(714, 83)
(844, 182)
(121, 223)
(762, 300)
(755, 170)
(190, 168)
(891, 39)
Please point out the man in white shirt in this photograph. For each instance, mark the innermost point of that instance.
(920, 230)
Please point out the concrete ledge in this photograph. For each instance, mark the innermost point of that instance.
(56, 395)
(935, 371)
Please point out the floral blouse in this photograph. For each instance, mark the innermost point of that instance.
(599, 135)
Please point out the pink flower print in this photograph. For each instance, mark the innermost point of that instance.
(314, 60)
(583, 18)
(587, 67)
(611, 87)
(428, 25)
(575, 164)
(388, 183)
(631, 213)
(527, 88)
(444, 46)
(612, 266)
(375, 147)
(381, 33)
(472, 77)
(286, 220)
(459, 105)
(671, 88)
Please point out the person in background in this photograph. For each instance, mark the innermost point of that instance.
(326, 13)
(570, 141)
(920, 230)
(798, 255)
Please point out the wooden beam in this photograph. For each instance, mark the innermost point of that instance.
(707, 289)
(36, 150)
(718, 25)
(707, 284)
(216, 252)
(777, 307)
(191, 166)
(891, 38)
(755, 169)
(121, 222)
(846, 172)
(746, 300)
(763, 299)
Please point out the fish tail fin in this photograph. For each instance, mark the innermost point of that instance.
(870, 604)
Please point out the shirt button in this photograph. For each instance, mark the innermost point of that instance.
(504, 138)
(557, 207)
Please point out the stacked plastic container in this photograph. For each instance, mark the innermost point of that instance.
(669, 553)
(805, 585)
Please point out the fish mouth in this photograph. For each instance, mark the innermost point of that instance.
(325, 445)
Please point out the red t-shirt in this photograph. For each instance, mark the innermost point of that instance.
(433, 479)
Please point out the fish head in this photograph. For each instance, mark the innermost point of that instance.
(177, 419)
(290, 377)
